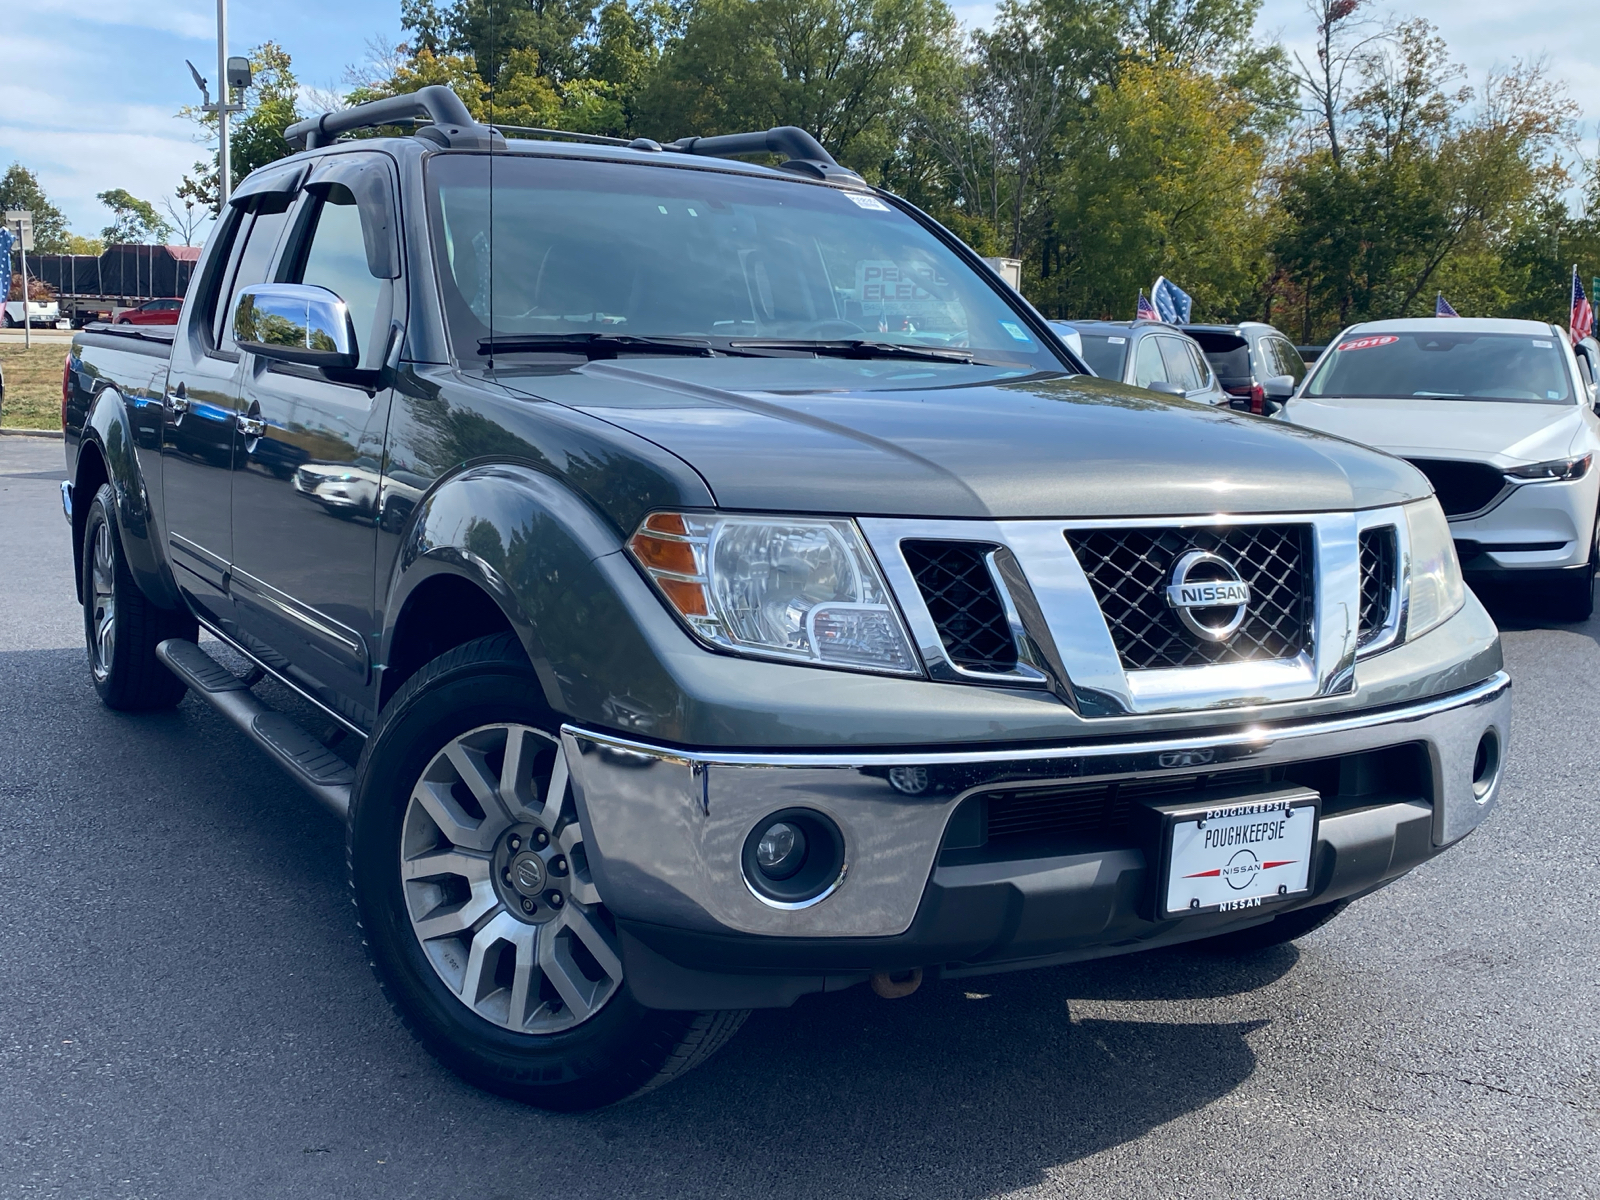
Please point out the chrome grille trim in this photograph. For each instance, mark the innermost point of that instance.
(1130, 569)
(1066, 645)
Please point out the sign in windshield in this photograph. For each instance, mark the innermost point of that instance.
(633, 252)
(1444, 365)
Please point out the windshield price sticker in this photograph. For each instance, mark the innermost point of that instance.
(1239, 856)
(1367, 343)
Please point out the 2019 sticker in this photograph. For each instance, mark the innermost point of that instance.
(1367, 343)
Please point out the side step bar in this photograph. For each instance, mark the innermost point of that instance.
(316, 768)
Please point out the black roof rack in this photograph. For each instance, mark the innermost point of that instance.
(806, 154)
(453, 127)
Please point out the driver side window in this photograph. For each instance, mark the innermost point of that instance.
(336, 258)
(1147, 366)
(1180, 367)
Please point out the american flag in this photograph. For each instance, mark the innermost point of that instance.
(1441, 308)
(1582, 310)
(1146, 310)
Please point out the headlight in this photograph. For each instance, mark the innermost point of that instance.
(1437, 589)
(1556, 468)
(794, 588)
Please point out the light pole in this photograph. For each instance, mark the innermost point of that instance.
(224, 155)
(231, 73)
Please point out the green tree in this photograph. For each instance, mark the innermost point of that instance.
(132, 219)
(843, 70)
(1160, 178)
(255, 136)
(19, 188)
(1433, 184)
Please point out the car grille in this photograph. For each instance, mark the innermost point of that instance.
(1129, 570)
(1379, 556)
(1086, 810)
(965, 606)
(1462, 487)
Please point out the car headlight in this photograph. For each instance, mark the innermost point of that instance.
(1556, 468)
(800, 589)
(1437, 589)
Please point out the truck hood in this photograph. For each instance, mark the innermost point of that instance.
(955, 440)
(1482, 430)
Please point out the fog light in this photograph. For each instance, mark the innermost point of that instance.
(1485, 766)
(781, 850)
(793, 858)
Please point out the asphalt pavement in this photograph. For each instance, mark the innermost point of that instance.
(185, 1010)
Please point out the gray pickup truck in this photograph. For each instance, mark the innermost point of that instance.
(737, 592)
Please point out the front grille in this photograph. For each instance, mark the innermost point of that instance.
(1000, 824)
(1129, 570)
(1462, 487)
(1088, 811)
(965, 606)
(1379, 556)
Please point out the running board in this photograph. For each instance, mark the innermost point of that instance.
(316, 768)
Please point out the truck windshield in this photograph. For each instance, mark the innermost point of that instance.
(581, 247)
(1444, 365)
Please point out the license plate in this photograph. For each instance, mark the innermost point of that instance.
(1238, 853)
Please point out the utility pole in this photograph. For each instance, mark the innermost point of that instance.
(231, 73)
(224, 154)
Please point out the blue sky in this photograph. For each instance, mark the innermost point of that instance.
(87, 96)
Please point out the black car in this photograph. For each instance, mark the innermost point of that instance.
(1245, 356)
(1147, 354)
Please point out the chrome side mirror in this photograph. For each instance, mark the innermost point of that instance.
(295, 322)
(1165, 388)
(1278, 387)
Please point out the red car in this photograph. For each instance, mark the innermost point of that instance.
(153, 312)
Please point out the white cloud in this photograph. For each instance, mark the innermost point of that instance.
(184, 18)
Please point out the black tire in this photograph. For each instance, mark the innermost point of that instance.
(126, 672)
(1288, 927)
(623, 1049)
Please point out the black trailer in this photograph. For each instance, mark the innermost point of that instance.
(91, 288)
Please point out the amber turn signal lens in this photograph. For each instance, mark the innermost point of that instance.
(666, 523)
(659, 554)
(688, 598)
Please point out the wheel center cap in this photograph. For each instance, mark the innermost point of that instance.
(527, 874)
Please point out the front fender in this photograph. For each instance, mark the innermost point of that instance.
(549, 560)
(119, 429)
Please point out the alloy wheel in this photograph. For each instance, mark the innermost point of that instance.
(497, 885)
(102, 603)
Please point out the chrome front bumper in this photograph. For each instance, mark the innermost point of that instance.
(665, 827)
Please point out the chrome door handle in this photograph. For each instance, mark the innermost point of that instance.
(178, 401)
(251, 427)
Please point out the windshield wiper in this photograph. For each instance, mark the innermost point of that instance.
(858, 348)
(599, 345)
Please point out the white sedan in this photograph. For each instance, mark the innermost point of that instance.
(1496, 414)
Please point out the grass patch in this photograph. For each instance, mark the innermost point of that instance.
(33, 384)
